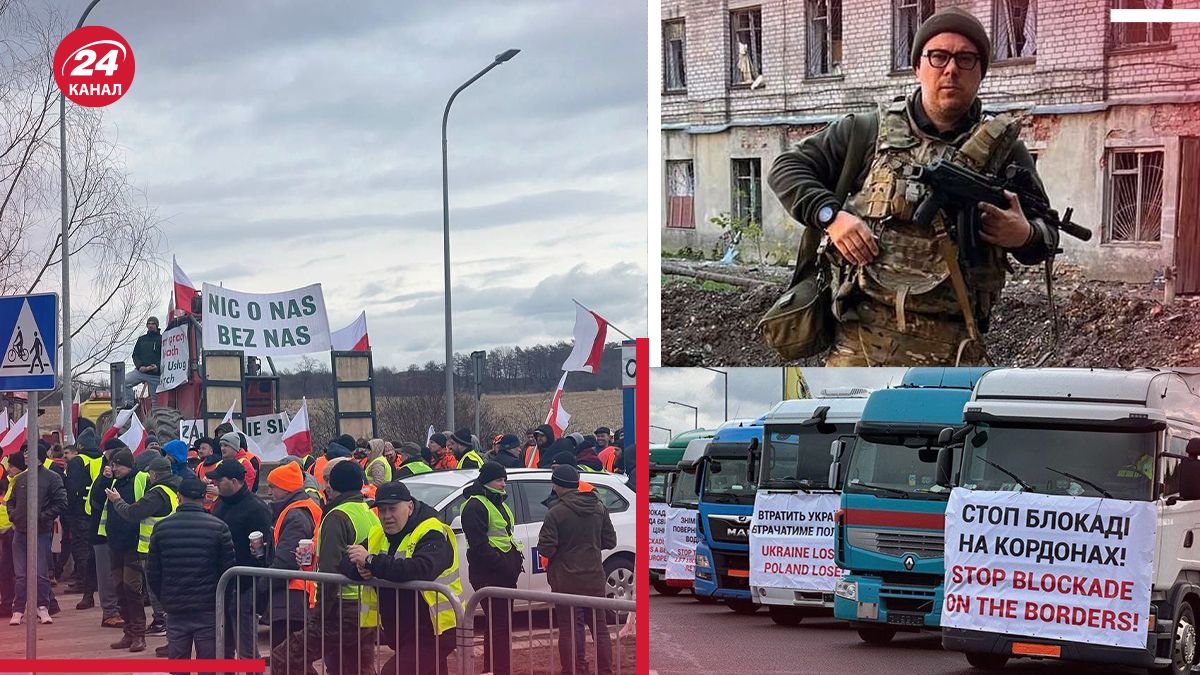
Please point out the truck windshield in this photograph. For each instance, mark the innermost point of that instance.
(683, 493)
(658, 486)
(1092, 463)
(725, 481)
(798, 457)
(905, 468)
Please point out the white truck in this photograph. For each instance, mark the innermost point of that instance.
(1112, 434)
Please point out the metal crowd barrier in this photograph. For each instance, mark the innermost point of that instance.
(345, 648)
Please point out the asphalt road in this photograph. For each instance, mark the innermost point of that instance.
(687, 637)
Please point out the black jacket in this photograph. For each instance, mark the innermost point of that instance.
(99, 503)
(508, 460)
(147, 351)
(79, 478)
(487, 565)
(433, 554)
(122, 534)
(190, 550)
(297, 525)
(245, 513)
(544, 454)
(52, 500)
(153, 502)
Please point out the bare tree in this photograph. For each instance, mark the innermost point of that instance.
(115, 238)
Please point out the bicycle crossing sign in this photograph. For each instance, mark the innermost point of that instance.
(29, 338)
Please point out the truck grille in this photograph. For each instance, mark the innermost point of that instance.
(728, 562)
(896, 542)
(730, 529)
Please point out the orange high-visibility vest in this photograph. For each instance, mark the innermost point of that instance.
(532, 457)
(318, 469)
(309, 587)
(608, 457)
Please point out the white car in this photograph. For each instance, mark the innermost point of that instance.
(527, 489)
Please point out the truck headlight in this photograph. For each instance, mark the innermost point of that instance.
(846, 589)
(702, 561)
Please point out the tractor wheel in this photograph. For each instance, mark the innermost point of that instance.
(103, 421)
(164, 423)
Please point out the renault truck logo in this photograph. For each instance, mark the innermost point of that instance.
(909, 562)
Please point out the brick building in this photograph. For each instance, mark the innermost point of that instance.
(1112, 112)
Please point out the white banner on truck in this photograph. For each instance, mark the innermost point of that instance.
(190, 430)
(681, 544)
(791, 541)
(173, 361)
(658, 536)
(266, 324)
(1065, 568)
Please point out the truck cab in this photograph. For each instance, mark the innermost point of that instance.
(801, 439)
(682, 492)
(664, 468)
(890, 528)
(1115, 434)
(726, 490)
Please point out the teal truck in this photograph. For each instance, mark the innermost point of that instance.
(675, 485)
(890, 527)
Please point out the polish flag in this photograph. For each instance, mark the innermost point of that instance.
(228, 418)
(428, 435)
(4, 424)
(74, 415)
(14, 438)
(590, 331)
(185, 290)
(135, 436)
(559, 418)
(298, 438)
(352, 338)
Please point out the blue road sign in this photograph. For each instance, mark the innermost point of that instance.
(29, 338)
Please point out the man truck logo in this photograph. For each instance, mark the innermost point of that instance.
(739, 532)
(909, 562)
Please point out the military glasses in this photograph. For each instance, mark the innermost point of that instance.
(940, 58)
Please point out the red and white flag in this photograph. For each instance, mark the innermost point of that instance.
(559, 418)
(185, 290)
(4, 423)
(590, 331)
(228, 418)
(298, 438)
(13, 440)
(135, 436)
(74, 416)
(352, 338)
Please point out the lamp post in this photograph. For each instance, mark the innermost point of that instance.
(725, 373)
(500, 58)
(669, 434)
(695, 411)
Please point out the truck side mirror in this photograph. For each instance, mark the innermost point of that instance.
(835, 469)
(945, 436)
(945, 461)
(836, 448)
(753, 452)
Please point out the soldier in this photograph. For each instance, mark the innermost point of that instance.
(900, 296)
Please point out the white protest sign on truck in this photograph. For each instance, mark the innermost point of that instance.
(173, 362)
(266, 324)
(658, 536)
(1065, 568)
(791, 541)
(681, 544)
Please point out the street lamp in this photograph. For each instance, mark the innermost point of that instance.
(726, 374)
(500, 58)
(669, 434)
(695, 411)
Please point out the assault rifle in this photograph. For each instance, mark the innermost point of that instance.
(957, 191)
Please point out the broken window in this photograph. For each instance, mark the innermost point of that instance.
(747, 190)
(907, 16)
(681, 191)
(674, 64)
(1015, 29)
(1140, 34)
(745, 46)
(824, 37)
(1135, 189)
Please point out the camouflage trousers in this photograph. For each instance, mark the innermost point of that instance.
(874, 340)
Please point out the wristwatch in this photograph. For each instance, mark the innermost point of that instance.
(826, 215)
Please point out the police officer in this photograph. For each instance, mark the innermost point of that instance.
(410, 543)
(464, 449)
(494, 558)
(900, 296)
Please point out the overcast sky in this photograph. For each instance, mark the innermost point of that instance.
(286, 143)
(752, 392)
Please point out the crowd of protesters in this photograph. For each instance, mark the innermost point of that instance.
(157, 529)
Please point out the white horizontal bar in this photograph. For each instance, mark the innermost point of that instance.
(1154, 15)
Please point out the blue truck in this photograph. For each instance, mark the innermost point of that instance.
(726, 491)
(890, 527)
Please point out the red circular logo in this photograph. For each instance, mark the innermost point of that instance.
(93, 66)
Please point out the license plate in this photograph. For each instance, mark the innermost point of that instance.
(901, 619)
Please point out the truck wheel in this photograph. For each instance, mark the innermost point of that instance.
(164, 423)
(1183, 647)
(986, 661)
(742, 606)
(664, 589)
(876, 635)
(785, 616)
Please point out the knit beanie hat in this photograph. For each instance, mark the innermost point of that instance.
(346, 477)
(233, 440)
(123, 457)
(490, 471)
(954, 20)
(565, 476)
(287, 477)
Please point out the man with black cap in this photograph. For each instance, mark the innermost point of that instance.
(101, 553)
(413, 461)
(122, 537)
(346, 617)
(902, 296)
(410, 544)
(540, 455)
(189, 551)
(84, 463)
(464, 449)
(507, 452)
(494, 557)
(244, 513)
(576, 529)
(443, 456)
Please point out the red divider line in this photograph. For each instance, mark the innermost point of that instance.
(641, 396)
(131, 665)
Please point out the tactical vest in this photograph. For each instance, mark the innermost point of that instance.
(911, 273)
(500, 526)
(470, 460)
(364, 522)
(139, 489)
(146, 527)
(441, 612)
